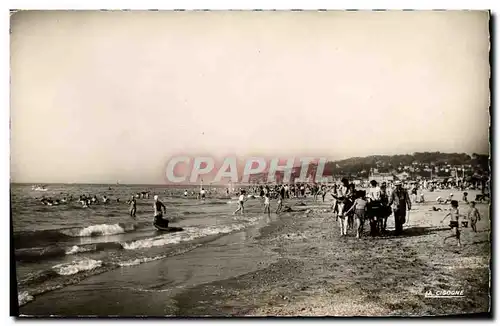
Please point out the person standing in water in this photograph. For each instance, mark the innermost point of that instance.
(133, 206)
(241, 202)
(159, 210)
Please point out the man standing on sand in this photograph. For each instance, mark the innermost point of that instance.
(399, 201)
(159, 210)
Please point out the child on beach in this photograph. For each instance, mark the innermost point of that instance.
(359, 208)
(464, 198)
(473, 215)
(267, 204)
(454, 217)
(241, 201)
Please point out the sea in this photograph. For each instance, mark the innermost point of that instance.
(59, 246)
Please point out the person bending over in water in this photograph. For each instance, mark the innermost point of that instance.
(241, 201)
(159, 210)
(454, 217)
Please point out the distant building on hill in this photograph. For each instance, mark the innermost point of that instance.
(381, 177)
(403, 176)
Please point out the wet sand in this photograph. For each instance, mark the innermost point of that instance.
(298, 265)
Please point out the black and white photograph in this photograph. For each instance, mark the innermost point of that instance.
(250, 163)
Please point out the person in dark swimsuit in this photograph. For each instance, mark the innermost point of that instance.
(159, 210)
(359, 207)
(454, 218)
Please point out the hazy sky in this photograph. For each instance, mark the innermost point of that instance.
(106, 96)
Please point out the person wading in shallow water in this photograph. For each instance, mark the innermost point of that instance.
(159, 210)
(400, 200)
(133, 206)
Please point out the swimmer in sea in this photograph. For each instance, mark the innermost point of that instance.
(159, 210)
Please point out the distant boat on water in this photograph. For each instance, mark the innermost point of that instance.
(38, 188)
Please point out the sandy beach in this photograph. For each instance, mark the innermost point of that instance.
(298, 265)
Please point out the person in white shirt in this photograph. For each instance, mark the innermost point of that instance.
(343, 189)
(241, 201)
(374, 193)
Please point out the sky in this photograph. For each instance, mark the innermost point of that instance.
(112, 96)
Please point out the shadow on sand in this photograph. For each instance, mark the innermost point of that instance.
(412, 232)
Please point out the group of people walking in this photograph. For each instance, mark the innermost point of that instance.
(353, 206)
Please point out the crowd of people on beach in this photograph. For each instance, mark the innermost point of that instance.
(375, 203)
(352, 205)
